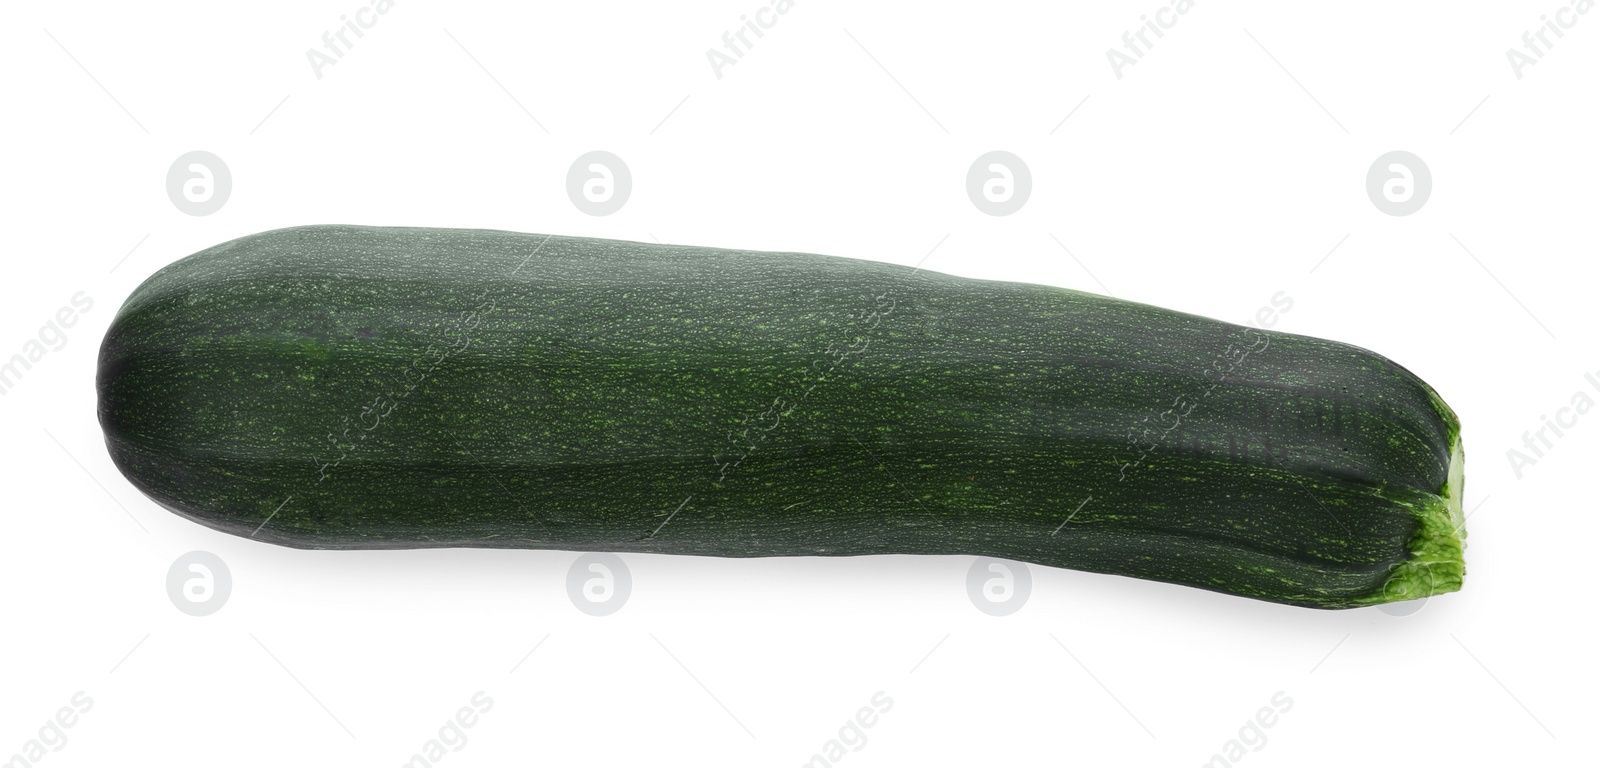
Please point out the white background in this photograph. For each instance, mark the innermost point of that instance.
(1224, 167)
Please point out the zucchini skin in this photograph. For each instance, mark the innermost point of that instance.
(342, 387)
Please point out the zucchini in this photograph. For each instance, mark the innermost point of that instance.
(341, 387)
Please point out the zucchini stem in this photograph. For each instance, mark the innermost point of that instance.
(1436, 565)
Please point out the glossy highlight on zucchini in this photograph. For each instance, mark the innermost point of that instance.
(345, 387)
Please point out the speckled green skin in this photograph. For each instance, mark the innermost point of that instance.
(365, 387)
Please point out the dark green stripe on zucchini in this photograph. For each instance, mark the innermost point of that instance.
(368, 387)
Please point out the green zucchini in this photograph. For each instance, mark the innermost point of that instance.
(341, 387)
